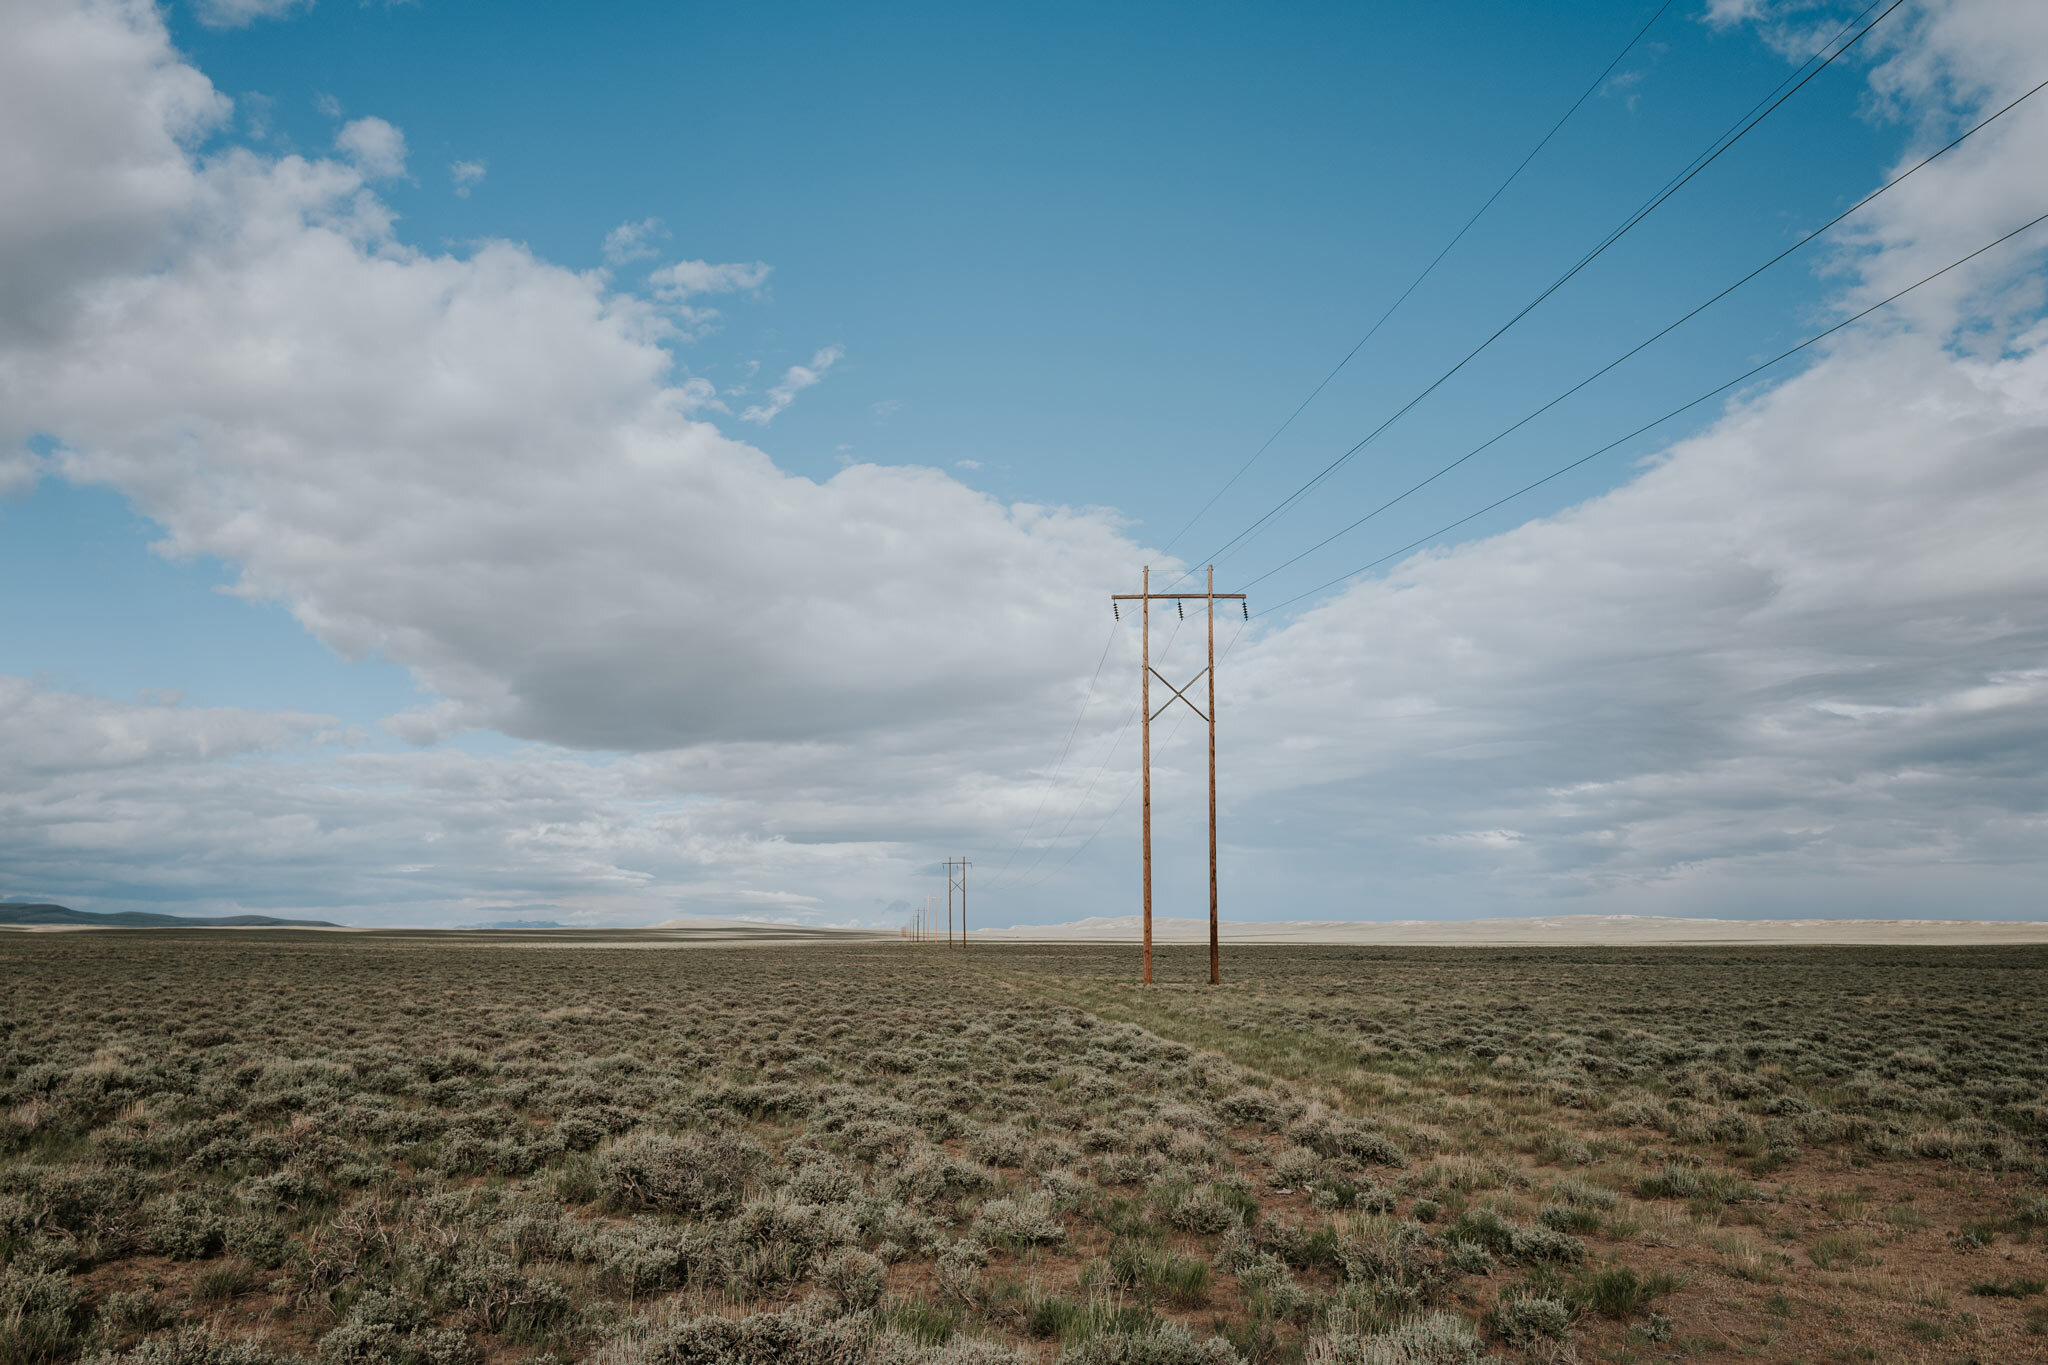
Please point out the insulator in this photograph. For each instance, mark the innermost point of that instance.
(1177, 606)
(1114, 612)
(1246, 609)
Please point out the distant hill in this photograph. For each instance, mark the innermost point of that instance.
(22, 913)
(517, 924)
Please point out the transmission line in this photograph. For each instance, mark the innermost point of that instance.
(1645, 344)
(1718, 389)
(1416, 283)
(1745, 125)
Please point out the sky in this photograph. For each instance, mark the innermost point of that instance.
(644, 461)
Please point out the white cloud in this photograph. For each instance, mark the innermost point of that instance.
(107, 805)
(45, 733)
(687, 279)
(375, 147)
(466, 176)
(674, 286)
(19, 471)
(90, 193)
(1803, 644)
(629, 242)
(967, 464)
(241, 13)
(485, 469)
(795, 380)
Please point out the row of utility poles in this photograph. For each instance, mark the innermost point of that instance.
(923, 926)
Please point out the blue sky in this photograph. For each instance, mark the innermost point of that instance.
(1099, 255)
(1070, 258)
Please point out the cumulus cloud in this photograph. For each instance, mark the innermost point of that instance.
(687, 279)
(485, 469)
(90, 194)
(242, 13)
(674, 286)
(795, 380)
(629, 242)
(138, 805)
(1806, 642)
(375, 147)
(44, 732)
(466, 176)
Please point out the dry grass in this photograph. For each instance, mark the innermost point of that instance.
(438, 1149)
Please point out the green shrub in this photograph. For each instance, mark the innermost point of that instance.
(222, 1282)
(1547, 1246)
(185, 1227)
(2010, 1287)
(257, 1240)
(1568, 1218)
(923, 1321)
(643, 1256)
(1524, 1322)
(1437, 1339)
(852, 1277)
(1484, 1227)
(1583, 1195)
(1683, 1182)
(1167, 1344)
(39, 1312)
(1620, 1292)
(663, 1174)
(1018, 1223)
(1183, 1280)
(493, 1294)
(1392, 1257)
(393, 1329)
(134, 1310)
(193, 1346)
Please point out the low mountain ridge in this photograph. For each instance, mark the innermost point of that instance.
(22, 913)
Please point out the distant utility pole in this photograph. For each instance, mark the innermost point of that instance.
(956, 875)
(1145, 676)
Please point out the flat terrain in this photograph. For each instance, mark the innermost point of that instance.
(1542, 931)
(232, 1148)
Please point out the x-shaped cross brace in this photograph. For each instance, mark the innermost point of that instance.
(1178, 693)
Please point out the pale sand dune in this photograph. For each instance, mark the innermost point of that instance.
(1547, 930)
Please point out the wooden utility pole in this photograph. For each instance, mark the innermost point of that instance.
(1145, 676)
(956, 876)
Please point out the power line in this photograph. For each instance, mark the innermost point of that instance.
(1643, 345)
(1718, 389)
(1416, 283)
(1746, 124)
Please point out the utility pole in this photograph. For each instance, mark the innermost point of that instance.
(956, 876)
(1145, 676)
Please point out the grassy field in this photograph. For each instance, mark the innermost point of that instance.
(238, 1148)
